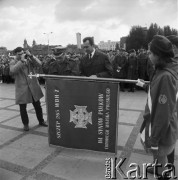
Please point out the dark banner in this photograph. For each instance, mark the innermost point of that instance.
(82, 114)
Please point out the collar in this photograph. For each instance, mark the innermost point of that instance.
(92, 54)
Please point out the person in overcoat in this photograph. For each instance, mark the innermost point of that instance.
(94, 63)
(119, 67)
(27, 89)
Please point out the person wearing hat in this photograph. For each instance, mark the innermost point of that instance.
(132, 72)
(160, 117)
(61, 64)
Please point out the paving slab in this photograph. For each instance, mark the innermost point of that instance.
(87, 155)
(135, 101)
(8, 175)
(132, 118)
(75, 169)
(28, 151)
(6, 114)
(7, 134)
(123, 134)
(6, 102)
(138, 144)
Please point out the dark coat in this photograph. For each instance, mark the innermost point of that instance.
(142, 65)
(25, 87)
(132, 67)
(120, 64)
(162, 107)
(98, 65)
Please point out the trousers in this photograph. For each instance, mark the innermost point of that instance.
(38, 110)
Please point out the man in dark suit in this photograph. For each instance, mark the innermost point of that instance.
(94, 63)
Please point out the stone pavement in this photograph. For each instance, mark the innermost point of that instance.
(27, 155)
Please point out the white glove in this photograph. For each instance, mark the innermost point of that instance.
(140, 82)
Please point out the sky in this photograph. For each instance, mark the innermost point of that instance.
(103, 19)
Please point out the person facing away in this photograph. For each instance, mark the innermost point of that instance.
(27, 89)
(162, 105)
(94, 63)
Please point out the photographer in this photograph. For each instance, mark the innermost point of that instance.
(27, 89)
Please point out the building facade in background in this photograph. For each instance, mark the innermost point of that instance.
(109, 45)
(38, 49)
(3, 51)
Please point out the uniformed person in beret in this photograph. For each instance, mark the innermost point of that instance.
(62, 64)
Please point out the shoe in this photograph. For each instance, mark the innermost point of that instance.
(26, 128)
(43, 124)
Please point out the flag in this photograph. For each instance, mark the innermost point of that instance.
(82, 114)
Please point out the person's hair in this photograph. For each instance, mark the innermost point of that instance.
(18, 49)
(90, 39)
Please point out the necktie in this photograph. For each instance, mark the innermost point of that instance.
(89, 56)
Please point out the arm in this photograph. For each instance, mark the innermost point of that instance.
(15, 66)
(34, 59)
(108, 69)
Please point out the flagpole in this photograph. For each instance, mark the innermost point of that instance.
(85, 78)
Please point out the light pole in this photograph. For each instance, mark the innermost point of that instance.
(48, 39)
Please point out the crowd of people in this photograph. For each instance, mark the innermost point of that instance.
(122, 65)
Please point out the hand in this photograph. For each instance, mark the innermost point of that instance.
(140, 82)
(93, 76)
(154, 151)
(28, 53)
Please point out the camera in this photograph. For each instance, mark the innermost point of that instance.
(26, 56)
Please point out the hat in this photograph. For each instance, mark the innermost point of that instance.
(60, 48)
(132, 51)
(161, 46)
(173, 39)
